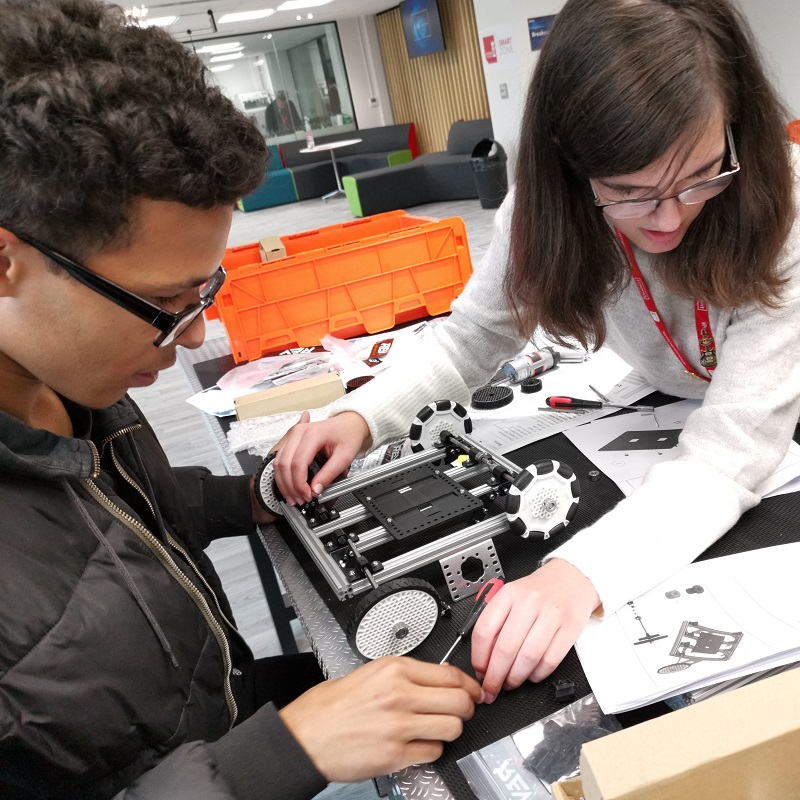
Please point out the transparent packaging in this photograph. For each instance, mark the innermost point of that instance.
(527, 762)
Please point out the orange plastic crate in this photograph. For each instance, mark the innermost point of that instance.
(359, 277)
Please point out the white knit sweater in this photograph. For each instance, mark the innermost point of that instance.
(728, 446)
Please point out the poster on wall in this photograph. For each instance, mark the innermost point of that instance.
(537, 29)
(498, 47)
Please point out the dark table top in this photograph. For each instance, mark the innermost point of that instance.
(774, 521)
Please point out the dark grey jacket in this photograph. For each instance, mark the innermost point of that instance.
(118, 656)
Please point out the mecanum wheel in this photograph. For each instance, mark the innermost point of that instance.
(542, 500)
(435, 418)
(394, 618)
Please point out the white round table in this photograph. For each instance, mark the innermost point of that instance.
(331, 146)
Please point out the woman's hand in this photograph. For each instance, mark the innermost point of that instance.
(339, 438)
(529, 626)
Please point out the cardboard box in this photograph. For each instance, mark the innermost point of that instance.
(571, 789)
(298, 396)
(741, 745)
(272, 248)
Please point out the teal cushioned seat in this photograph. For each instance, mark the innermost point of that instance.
(276, 189)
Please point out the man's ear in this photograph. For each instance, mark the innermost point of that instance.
(11, 262)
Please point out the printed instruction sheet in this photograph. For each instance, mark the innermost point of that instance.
(626, 446)
(713, 620)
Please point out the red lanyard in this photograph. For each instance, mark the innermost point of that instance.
(705, 339)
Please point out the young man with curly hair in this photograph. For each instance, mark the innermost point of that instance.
(121, 671)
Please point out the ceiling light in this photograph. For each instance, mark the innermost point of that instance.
(310, 16)
(269, 36)
(244, 16)
(259, 63)
(226, 57)
(221, 48)
(161, 22)
(222, 67)
(294, 5)
(299, 18)
(136, 13)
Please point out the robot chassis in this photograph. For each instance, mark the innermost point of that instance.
(420, 493)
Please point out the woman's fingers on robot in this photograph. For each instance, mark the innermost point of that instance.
(506, 644)
(530, 625)
(288, 464)
(339, 438)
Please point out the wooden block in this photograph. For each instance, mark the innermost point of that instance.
(298, 396)
(272, 248)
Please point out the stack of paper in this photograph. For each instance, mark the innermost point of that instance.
(713, 621)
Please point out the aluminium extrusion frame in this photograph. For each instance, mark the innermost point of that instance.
(346, 586)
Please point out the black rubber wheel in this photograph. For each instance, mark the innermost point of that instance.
(394, 618)
(489, 397)
(530, 385)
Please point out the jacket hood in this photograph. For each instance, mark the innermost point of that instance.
(36, 453)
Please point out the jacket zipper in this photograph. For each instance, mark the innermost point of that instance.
(172, 568)
(109, 441)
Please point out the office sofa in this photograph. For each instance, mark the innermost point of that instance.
(380, 147)
(276, 188)
(432, 177)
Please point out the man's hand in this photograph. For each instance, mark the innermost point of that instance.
(529, 626)
(382, 717)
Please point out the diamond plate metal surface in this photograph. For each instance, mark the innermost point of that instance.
(422, 781)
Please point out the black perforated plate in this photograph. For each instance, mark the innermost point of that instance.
(418, 499)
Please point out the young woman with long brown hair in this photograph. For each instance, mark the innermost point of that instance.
(653, 211)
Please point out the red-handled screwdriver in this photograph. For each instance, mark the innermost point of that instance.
(571, 403)
(487, 592)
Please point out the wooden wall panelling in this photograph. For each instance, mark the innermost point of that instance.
(435, 90)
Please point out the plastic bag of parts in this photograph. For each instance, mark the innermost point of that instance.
(527, 762)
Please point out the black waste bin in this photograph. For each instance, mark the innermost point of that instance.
(489, 165)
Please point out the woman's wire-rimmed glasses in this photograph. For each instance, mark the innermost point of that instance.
(691, 195)
(171, 325)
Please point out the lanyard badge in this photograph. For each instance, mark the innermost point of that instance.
(705, 339)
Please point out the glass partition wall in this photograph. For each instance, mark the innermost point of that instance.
(289, 82)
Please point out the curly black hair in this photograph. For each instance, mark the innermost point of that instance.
(96, 113)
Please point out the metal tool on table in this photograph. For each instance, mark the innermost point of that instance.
(489, 590)
(559, 403)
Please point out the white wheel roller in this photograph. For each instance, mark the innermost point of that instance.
(267, 493)
(394, 619)
(542, 500)
(435, 418)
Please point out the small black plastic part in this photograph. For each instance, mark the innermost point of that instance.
(544, 467)
(564, 690)
(487, 398)
(530, 385)
(425, 414)
(594, 475)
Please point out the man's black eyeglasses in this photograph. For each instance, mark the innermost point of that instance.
(171, 325)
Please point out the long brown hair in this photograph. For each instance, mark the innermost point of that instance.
(617, 83)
